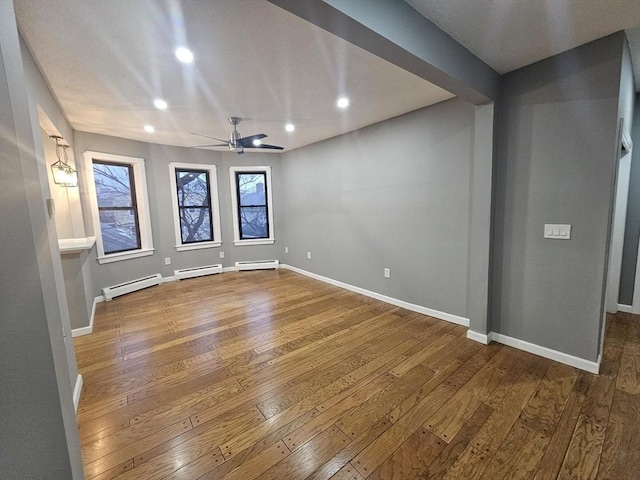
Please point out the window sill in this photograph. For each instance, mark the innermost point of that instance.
(261, 241)
(116, 257)
(197, 246)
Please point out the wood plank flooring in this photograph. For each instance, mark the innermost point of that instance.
(272, 375)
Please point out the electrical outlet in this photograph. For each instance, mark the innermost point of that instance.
(167, 261)
(387, 273)
(308, 255)
(286, 249)
(221, 254)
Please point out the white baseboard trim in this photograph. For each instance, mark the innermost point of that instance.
(383, 298)
(581, 363)
(77, 391)
(171, 278)
(229, 269)
(479, 337)
(78, 332)
(625, 308)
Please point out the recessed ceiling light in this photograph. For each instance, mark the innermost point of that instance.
(160, 104)
(257, 142)
(149, 129)
(184, 55)
(289, 127)
(343, 102)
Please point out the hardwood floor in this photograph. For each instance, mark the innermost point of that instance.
(272, 375)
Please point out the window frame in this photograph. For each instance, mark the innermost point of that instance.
(134, 203)
(139, 194)
(266, 170)
(240, 207)
(214, 206)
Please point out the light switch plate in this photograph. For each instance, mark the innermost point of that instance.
(557, 231)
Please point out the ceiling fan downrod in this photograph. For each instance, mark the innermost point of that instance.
(234, 136)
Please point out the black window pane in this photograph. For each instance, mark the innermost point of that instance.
(119, 230)
(193, 188)
(194, 204)
(253, 222)
(196, 225)
(113, 185)
(251, 188)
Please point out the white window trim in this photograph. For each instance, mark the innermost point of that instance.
(215, 205)
(142, 200)
(234, 206)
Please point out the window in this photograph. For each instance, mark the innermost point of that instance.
(117, 206)
(252, 205)
(195, 205)
(118, 195)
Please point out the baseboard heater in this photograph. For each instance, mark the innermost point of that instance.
(132, 286)
(197, 271)
(257, 265)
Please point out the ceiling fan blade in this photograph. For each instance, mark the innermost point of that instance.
(212, 145)
(208, 136)
(248, 141)
(264, 145)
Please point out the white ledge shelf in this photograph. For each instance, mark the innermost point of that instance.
(75, 245)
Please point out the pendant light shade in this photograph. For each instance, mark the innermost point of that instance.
(63, 173)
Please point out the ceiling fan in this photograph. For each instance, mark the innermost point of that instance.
(237, 143)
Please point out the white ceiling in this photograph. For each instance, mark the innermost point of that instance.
(106, 60)
(509, 34)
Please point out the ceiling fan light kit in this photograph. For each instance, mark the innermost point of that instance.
(237, 143)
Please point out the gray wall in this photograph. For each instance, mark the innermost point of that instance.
(632, 230)
(555, 164)
(157, 159)
(396, 195)
(38, 89)
(75, 280)
(77, 295)
(480, 201)
(40, 97)
(38, 433)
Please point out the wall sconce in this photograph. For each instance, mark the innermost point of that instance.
(63, 173)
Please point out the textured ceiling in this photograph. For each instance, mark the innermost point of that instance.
(107, 60)
(509, 34)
